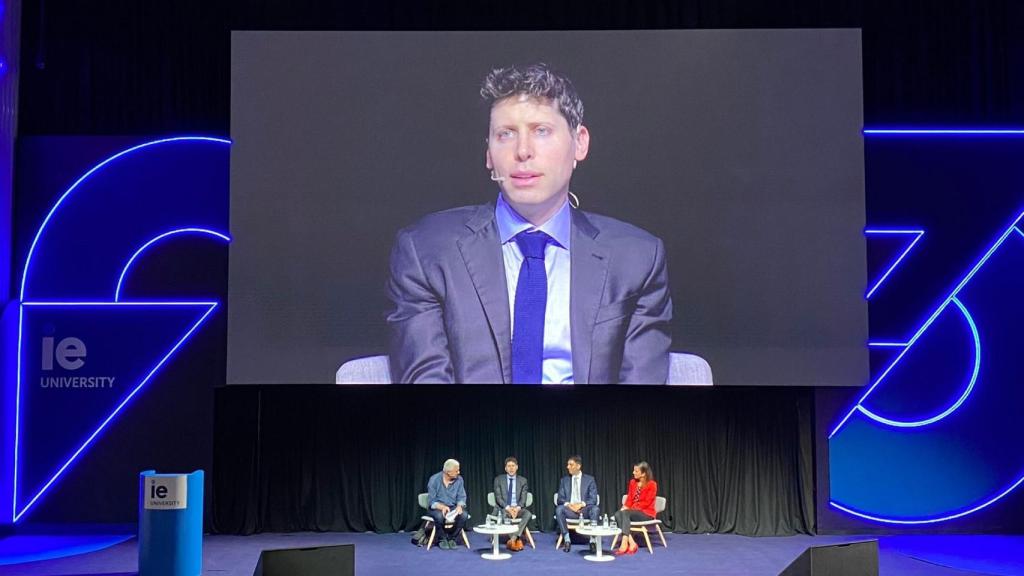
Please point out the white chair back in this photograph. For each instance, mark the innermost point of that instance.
(683, 370)
(369, 370)
(688, 370)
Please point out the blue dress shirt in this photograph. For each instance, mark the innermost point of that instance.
(451, 495)
(557, 363)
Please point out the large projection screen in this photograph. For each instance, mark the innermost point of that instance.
(741, 149)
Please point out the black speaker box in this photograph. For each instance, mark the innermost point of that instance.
(337, 560)
(850, 559)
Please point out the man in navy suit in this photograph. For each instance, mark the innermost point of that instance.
(529, 289)
(577, 497)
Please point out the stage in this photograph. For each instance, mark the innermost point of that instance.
(691, 554)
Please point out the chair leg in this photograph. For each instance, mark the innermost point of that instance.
(558, 544)
(614, 540)
(433, 532)
(530, 538)
(465, 539)
(662, 534)
(647, 539)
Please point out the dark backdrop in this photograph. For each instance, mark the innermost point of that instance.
(737, 460)
(127, 66)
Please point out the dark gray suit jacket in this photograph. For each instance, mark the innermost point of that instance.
(450, 318)
(501, 491)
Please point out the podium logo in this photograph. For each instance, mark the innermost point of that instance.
(157, 491)
(166, 492)
(69, 353)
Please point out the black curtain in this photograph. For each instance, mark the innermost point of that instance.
(294, 458)
(157, 67)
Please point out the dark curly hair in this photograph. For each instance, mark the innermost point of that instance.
(534, 81)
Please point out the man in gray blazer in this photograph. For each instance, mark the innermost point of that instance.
(510, 499)
(529, 289)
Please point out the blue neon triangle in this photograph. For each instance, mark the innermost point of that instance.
(62, 411)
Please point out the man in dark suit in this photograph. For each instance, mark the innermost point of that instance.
(577, 497)
(510, 498)
(529, 289)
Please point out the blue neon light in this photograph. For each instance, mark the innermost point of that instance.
(917, 233)
(17, 417)
(885, 502)
(929, 520)
(25, 273)
(210, 305)
(963, 396)
(124, 271)
(87, 303)
(22, 548)
(924, 327)
(944, 132)
(39, 233)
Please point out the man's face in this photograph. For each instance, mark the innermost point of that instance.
(452, 474)
(531, 146)
(573, 467)
(510, 468)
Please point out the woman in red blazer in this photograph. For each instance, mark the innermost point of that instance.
(639, 505)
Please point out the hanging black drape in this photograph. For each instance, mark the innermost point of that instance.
(291, 458)
(149, 67)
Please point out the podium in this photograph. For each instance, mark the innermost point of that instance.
(170, 524)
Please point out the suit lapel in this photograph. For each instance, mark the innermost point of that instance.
(481, 251)
(589, 270)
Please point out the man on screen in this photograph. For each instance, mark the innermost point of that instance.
(528, 289)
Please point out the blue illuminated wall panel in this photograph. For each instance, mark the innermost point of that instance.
(10, 39)
(120, 325)
(933, 440)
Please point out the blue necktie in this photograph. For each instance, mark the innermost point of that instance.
(509, 499)
(531, 300)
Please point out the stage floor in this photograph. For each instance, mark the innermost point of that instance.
(694, 555)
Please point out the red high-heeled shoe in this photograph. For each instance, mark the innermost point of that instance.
(633, 548)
